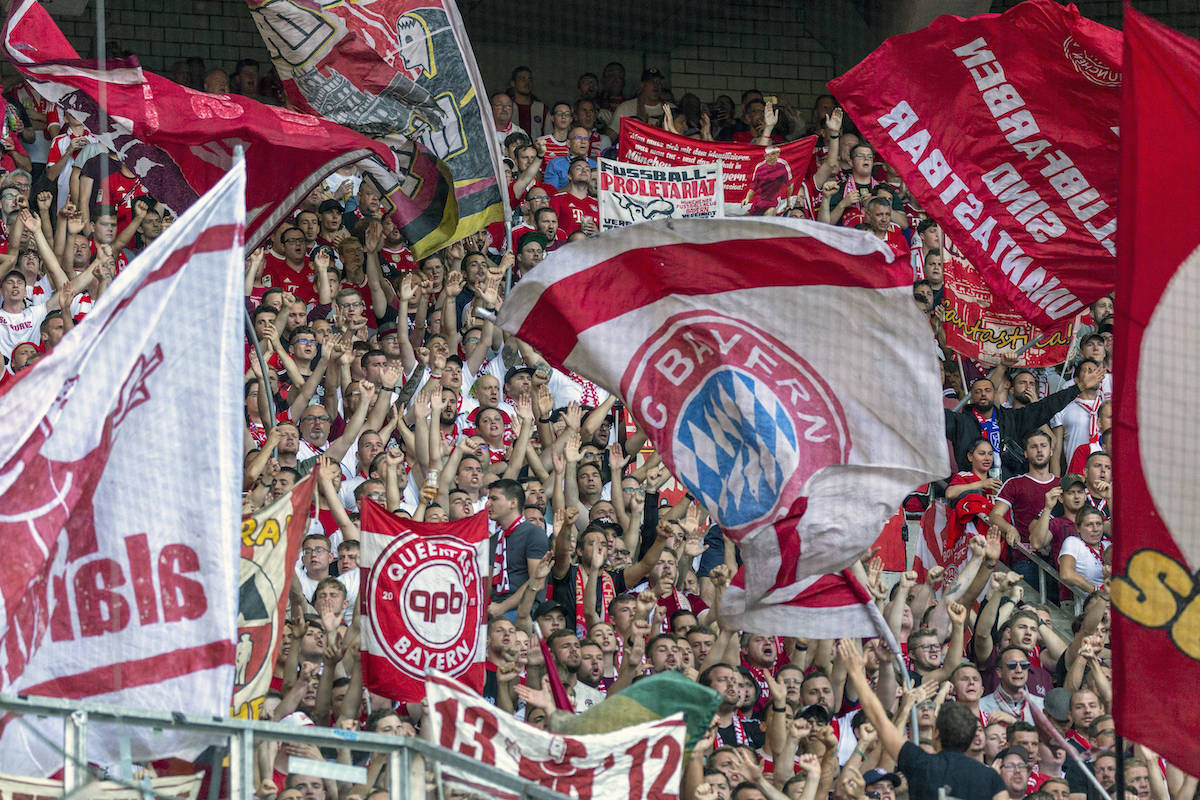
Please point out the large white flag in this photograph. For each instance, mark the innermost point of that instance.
(120, 467)
(779, 366)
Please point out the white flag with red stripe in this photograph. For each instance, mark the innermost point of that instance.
(820, 607)
(780, 367)
(120, 479)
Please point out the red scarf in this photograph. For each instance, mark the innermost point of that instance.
(739, 732)
(1093, 417)
(608, 591)
(500, 582)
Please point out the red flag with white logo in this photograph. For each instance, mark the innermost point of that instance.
(1004, 127)
(424, 601)
(120, 479)
(1155, 624)
(180, 141)
(779, 366)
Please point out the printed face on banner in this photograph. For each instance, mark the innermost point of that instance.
(750, 420)
(426, 608)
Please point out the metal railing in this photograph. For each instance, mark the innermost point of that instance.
(1045, 570)
(407, 757)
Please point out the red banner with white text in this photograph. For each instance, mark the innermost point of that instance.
(1005, 129)
(1155, 624)
(646, 144)
(424, 601)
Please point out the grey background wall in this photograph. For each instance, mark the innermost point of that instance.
(710, 47)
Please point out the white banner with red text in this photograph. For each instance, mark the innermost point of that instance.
(120, 479)
(632, 193)
(639, 762)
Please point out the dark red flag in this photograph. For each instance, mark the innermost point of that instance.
(1004, 127)
(1156, 612)
(180, 142)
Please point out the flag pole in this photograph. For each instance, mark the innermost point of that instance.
(857, 581)
(239, 155)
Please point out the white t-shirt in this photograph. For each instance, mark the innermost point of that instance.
(1086, 563)
(1077, 420)
(21, 326)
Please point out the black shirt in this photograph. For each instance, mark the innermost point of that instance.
(564, 592)
(963, 777)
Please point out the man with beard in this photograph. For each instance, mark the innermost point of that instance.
(564, 647)
(1022, 499)
(732, 727)
(591, 665)
(1002, 427)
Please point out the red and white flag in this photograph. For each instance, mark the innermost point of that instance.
(424, 601)
(821, 607)
(780, 367)
(120, 478)
(1004, 127)
(179, 141)
(1155, 624)
(637, 762)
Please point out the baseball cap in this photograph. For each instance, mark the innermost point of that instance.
(877, 775)
(546, 606)
(1069, 481)
(650, 73)
(1058, 704)
(533, 237)
(517, 370)
(329, 205)
(388, 327)
(13, 272)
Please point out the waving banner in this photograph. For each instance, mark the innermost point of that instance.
(637, 762)
(646, 144)
(393, 68)
(121, 585)
(983, 326)
(424, 601)
(1004, 127)
(1154, 588)
(179, 142)
(270, 546)
(631, 193)
(770, 425)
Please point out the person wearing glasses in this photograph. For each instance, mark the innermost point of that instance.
(315, 558)
(294, 272)
(579, 140)
(1013, 765)
(954, 733)
(1011, 696)
(556, 141)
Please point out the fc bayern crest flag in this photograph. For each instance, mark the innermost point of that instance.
(1156, 609)
(1004, 127)
(424, 601)
(271, 540)
(780, 367)
(120, 479)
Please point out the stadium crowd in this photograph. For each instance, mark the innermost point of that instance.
(387, 379)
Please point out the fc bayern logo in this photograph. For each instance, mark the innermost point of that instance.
(425, 596)
(745, 421)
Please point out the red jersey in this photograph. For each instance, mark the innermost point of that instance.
(394, 262)
(572, 211)
(554, 148)
(1026, 498)
(276, 272)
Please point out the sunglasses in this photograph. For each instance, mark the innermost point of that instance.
(1016, 664)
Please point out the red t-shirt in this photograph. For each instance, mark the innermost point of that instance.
(572, 211)
(1026, 498)
(276, 272)
(554, 148)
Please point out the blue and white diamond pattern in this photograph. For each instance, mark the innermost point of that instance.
(735, 446)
